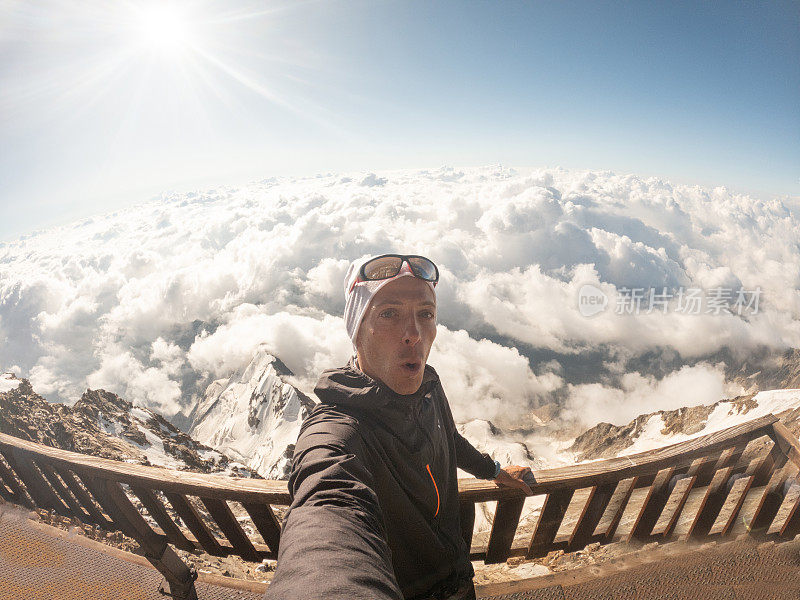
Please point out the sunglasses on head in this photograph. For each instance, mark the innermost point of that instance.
(387, 266)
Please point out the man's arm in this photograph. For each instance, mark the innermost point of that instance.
(333, 543)
(482, 466)
(469, 459)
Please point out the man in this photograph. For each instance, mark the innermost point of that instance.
(374, 511)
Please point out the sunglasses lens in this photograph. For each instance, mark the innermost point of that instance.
(423, 268)
(383, 267)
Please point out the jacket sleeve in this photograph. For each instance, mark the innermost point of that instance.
(468, 458)
(333, 542)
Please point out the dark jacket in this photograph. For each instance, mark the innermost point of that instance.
(374, 510)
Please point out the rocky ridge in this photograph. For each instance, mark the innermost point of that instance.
(102, 424)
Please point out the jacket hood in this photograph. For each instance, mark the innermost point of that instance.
(349, 386)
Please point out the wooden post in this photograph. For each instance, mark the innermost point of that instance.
(555, 505)
(652, 506)
(788, 443)
(592, 513)
(20, 497)
(112, 498)
(733, 503)
(74, 506)
(672, 509)
(608, 524)
(266, 523)
(84, 498)
(788, 518)
(710, 505)
(160, 516)
(41, 492)
(504, 525)
(221, 513)
(195, 524)
(768, 504)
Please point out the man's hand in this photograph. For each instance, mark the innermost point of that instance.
(512, 477)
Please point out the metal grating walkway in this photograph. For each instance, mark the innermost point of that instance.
(739, 570)
(37, 564)
(41, 563)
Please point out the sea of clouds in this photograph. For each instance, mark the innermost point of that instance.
(155, 301)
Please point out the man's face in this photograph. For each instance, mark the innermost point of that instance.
(397, 332)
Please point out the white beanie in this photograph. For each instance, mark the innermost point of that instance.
(358, 297)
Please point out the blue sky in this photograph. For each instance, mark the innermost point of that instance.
(104, 104)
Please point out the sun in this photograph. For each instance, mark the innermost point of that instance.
(163, 29)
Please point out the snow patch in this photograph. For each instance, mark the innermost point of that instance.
(8, 382)
(725, 414)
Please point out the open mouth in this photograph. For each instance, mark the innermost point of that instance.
(412, 367)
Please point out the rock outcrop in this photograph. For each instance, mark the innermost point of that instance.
(102, 424)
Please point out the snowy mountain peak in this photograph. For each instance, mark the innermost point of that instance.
(254, 416)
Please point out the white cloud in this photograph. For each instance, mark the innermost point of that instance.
(307, 345)
(484, 380)
(589, 404)
(124, 375)
(113, 300)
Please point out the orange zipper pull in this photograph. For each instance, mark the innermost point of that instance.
(438, 502)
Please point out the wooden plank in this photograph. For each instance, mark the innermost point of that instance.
(646, 480)
(729, 457)
(182, 482)
(266, 523)
(590, 516)
(616, 507)
(665, 524)
(160, 515)
(82, 495)
(19, 494)
(703, 469)
(710, 504)
(733, 503)
(791, 526)
(769, 503)
(770, 462)
(786, 441)
(758, 471)
(787, 510)
(98, 490)
(504, 525)
(555, 506)
(74, 506)
(43, 495)
(5, 493)
(194, 522)
(466, 516)
(221, 513)
(652, 506)
(276, 492)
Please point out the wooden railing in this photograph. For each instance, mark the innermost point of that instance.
(582, 504)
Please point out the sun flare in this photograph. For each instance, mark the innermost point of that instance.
(164, 29)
